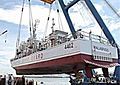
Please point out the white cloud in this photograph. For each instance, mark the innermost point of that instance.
(8, 54)
(41, 12)
(5, 62)
(99, 7)
(38, 12)
(9, 15)
(119, 11)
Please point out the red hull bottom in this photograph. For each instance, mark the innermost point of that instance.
(62, 65)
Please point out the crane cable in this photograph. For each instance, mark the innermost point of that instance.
(59, 17)
(80, 13)
(19, 30)
(30, 19)
(47, 21)
(114, 10)
(88, 12)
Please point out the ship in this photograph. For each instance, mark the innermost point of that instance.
(60, 52)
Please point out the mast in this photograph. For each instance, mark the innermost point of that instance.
(30, 20)
(65, 9)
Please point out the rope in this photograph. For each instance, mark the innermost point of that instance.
(47, 21)
(59, 17)
(81, 13)
(88, 12)
(18, 38)
(30, 19)
(114, 10)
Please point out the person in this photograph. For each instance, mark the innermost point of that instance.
(36, 83)
(23, 80)
(97, 78)
(9, 80)
(90, 35)
(31, 82)
(42, 83)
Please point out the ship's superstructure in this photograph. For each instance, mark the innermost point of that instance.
(32, 45)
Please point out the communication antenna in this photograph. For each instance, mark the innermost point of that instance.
(37, 21)
(53, 24)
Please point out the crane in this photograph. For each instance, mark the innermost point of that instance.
(70, 58)
(99, 20)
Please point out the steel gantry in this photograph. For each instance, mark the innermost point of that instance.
(99, 20)
(101, 23)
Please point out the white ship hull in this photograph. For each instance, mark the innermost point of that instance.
(64, 57)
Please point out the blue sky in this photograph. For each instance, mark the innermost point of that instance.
(10, 15)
